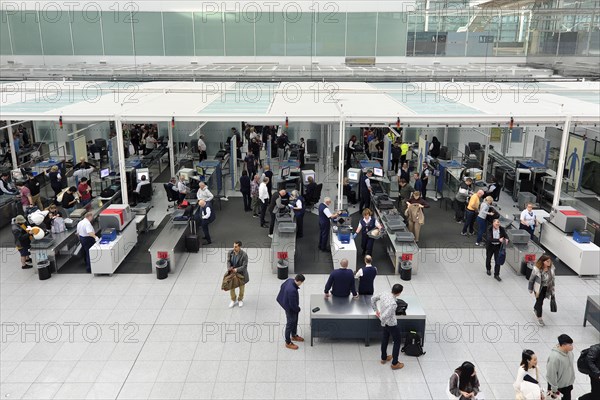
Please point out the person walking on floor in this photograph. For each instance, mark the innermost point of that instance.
(205, 216)
(341, 282)
(592, 360)
(246, 191)
(22, 240)
(425, 173)
(325, 216)
(366, 225)
(268, 174)
(484, 212)
(464, 384)
(237, 263)
(496, 237)
(541, 284)
(289, 300)
(366, 276)
(527, 219)
(386, 312)
(560, 373)
(415, 215)
(263, 196)
(301, 152)
(254, 200)
(87, 238)
(527, 385)
(299, 208)
(395, 157)
(471, 213)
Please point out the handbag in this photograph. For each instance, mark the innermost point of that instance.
(232, 281)
(553, 307)
(502, 254)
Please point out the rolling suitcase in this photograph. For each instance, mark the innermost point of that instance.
(192, 241)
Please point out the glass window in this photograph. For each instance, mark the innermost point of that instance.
(331, 34)
(147, 31)
(116, 27)
(56, 34)
(25, 33)
(391, 34)
(361, 34)
(5, 48)
(209, 34)
(87, 32)
(299, 34)
(179, 34)
(270, 34)
(239, 34)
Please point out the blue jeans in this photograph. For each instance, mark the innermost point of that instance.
(481, 227)
(469, 221)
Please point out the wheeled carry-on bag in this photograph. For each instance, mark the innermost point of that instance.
(192, 241)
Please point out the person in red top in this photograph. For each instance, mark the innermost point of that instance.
(85, 191)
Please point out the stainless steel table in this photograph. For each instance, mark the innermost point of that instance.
(170, 244)
(348, 318)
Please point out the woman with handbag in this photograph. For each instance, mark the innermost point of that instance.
(541, 284)
(414, 214)
(527, 385)
(464, 384)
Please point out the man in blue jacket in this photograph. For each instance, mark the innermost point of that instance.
(342, 281)
(289, 300)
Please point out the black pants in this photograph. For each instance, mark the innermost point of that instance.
(459, 210)
(595, 393)
(566, 392)
(424, 188)
(204, 223)
(365, 201)
(394, 332)
(367, 245)
(272, 224)
(492, 250)
(402, 159)
(247, 201)
(299, 226)
(291, 326)
(395, 164)
(540, 301)
(324, 236)
(301, 157)
(203, 155)
(263, 212)
(86, 245)
(529, 229)
(469, 221)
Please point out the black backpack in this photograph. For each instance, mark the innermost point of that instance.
(413, 345)
(582, 364)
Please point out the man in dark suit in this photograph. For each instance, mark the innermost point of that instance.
(206, 216)
(275, 205)
(311, 190)
(289, 300)
(341, 282)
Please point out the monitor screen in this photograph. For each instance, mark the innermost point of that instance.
(104, 173)
(353, 176)
(285, 172)
(200, 171)
(378, 172)
(306, 178)
(185, 176)
(140, 174)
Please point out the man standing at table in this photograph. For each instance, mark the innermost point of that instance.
(387, 315)
(87, 237)
(325, 217)
(341, 282)
(289, 300)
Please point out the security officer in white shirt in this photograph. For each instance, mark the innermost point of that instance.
(87, 237)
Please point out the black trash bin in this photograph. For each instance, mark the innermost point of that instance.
(526, 269)
(282, 270)
(406, 270)
(162, 269)
(43, 269)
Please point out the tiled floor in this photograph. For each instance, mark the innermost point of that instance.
(134, 337)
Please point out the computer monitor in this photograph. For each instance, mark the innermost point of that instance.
(200, 171)
(353, 176)
(285, 172)
(306, 175)
(104, 173)
(378, 172)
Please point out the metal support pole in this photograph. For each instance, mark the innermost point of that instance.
(561, 162)
(486, 155)
(341, 163)
(121, 158)
(11, 142)
(171, 150)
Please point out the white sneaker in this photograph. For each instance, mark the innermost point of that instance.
(241, 304)
(541, 322)
(271, 236)
(232, 304)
